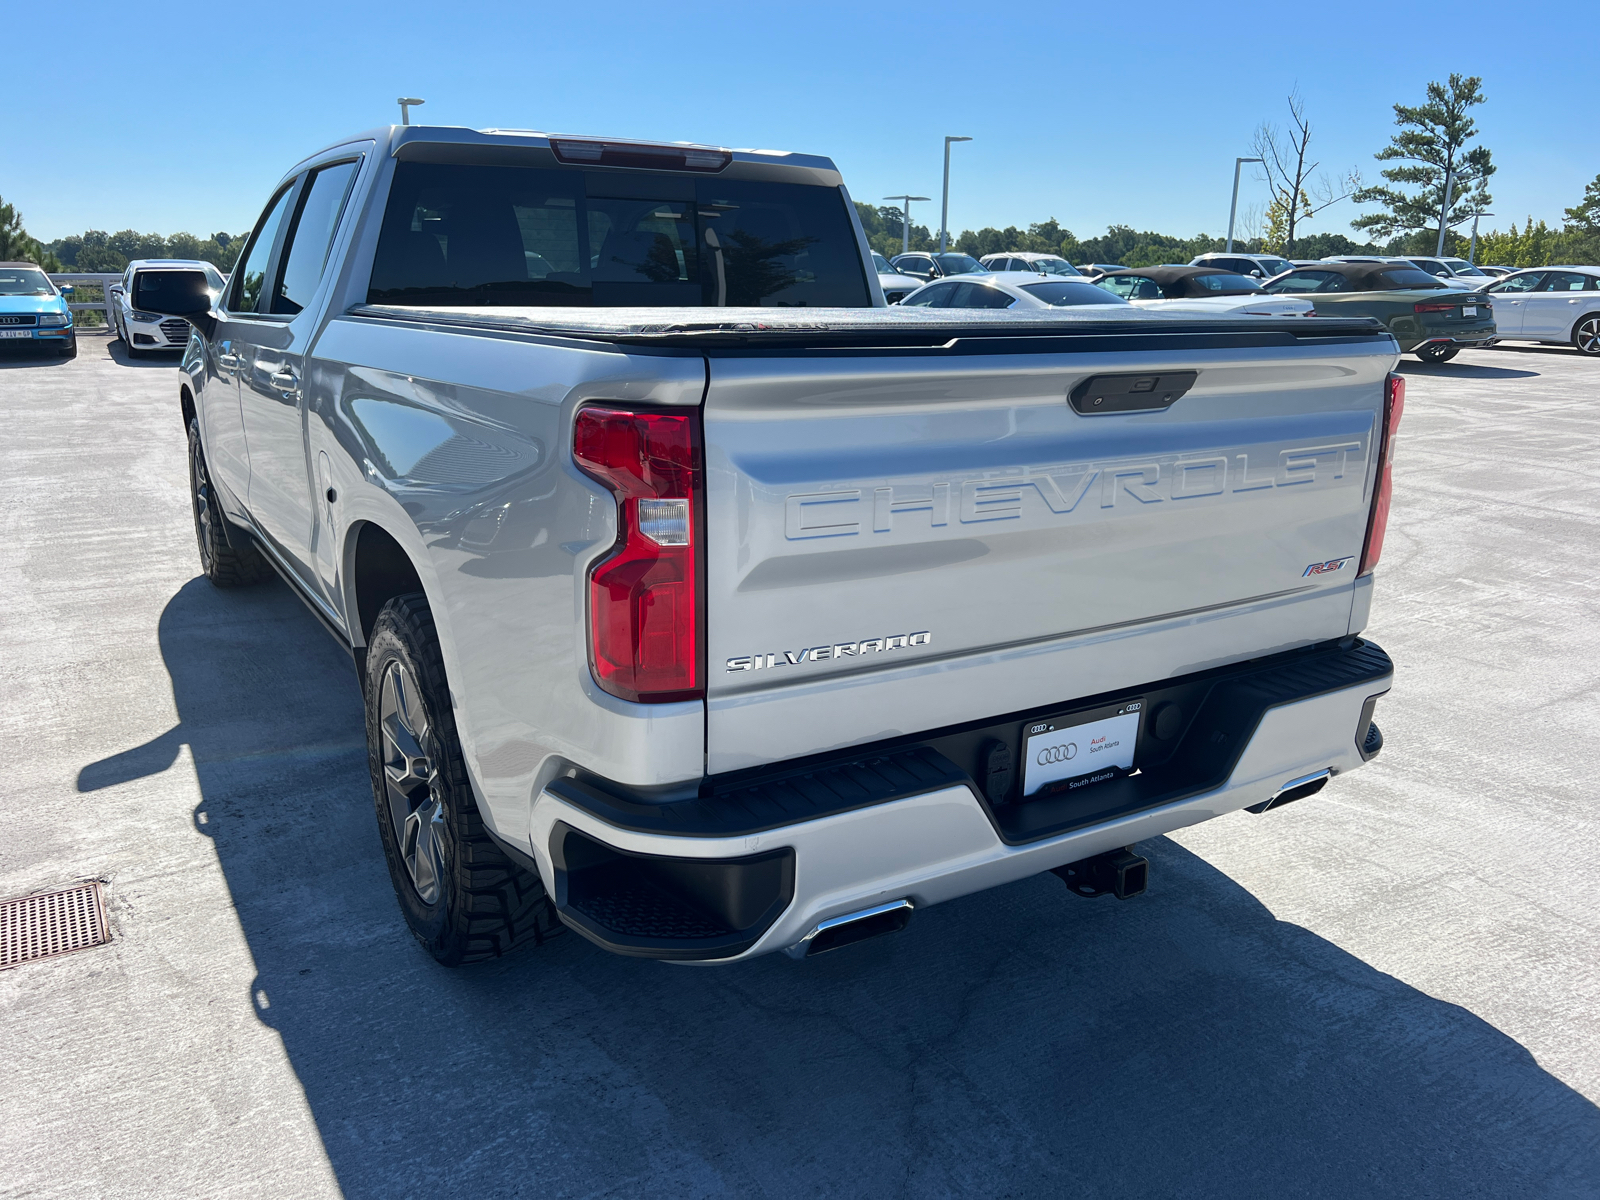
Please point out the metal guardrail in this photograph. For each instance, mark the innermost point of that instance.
(105, 282)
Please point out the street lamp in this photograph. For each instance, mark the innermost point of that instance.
(1234, 207)
(905, 219)
(1444, 213)
(1472, 250)
(407, 103)
(944, 210)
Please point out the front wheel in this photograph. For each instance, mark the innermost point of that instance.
(225, 563)
(464, 900)
(1437, 352)
(1586, 335)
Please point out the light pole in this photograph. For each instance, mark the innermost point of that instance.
(407, 103)
(1233, 208)
(944, 209)
(1444, 213)
(1472, 250)
(905, 219)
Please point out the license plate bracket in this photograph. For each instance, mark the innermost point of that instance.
(16, 333)
(1079, 748)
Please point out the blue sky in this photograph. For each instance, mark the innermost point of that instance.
(1090, 113)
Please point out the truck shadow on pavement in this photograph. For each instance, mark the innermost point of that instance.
(1016, 1042)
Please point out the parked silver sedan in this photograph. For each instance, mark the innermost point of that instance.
(1014, 290)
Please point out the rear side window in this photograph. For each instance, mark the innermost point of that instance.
(250, 276)
(460, 235)
(1065, 294)
(306, 251)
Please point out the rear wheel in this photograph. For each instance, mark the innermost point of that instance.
(1586, 335)
(235, 563)
(1437, 352)
(464, 900)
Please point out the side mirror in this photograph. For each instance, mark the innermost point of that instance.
(65, 289)
(185, 294)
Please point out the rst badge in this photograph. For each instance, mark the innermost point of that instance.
(1323, 568)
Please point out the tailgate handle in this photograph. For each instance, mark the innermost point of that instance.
(1150, 391)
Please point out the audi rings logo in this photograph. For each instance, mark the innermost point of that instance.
(1055, 754)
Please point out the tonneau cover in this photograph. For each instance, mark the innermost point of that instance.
(795, 328)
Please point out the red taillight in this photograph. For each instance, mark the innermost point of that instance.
(1393, 406)
(644, 618)
(1435, 306)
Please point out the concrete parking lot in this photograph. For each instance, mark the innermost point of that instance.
(1392, 989)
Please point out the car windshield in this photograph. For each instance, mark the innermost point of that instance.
(24, 281)
(882, 264)
(459, 234)
(1226, 283)
(1462, 267)
(1053, 266)
(1276, 266)
(1065, 293)
(958, 264)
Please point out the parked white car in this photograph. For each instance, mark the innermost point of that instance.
(896, 287)
(1199, 289)
(1027, 261)
(1550, 304)
(145, 331)
(1015, 290)
(1257, 266)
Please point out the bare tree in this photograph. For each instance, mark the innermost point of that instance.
(1296, 198)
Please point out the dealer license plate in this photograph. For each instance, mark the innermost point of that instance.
(1469, 310)
(1086, 751)
(16, 333)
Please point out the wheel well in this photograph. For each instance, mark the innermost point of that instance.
(186, 399)
(380, 573)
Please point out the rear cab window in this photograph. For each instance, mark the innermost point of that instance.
(459, 235)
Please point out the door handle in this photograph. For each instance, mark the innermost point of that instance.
(283, 380)
(228, 362)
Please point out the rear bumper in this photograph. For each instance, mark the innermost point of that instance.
(757, 864)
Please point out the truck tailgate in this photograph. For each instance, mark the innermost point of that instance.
(903, 540)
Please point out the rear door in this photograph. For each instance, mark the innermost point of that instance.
(901, 543)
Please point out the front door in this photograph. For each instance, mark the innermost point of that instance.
(1510, 301)
(227, 451)
(270, 392)
(1551, 309)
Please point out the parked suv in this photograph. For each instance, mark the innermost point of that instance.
(933, 265)
(1257, 266)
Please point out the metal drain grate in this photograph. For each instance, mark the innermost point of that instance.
(52, 923)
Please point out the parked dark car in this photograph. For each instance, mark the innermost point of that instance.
(931, 265)
(1434, 327)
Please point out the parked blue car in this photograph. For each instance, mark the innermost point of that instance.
(34, 310)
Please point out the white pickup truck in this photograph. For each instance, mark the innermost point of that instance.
(707, 606)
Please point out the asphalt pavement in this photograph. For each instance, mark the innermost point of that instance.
(1392, 989)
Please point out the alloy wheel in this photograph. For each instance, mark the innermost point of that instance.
(1588, 336)
(201, 483)
(411, 781)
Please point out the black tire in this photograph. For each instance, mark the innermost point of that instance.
(70, 350)
(1435, 352)
(226, 563)
(1586, 335)
(464, 900)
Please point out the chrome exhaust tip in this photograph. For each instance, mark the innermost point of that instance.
(850, 928)
(1295, 789)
